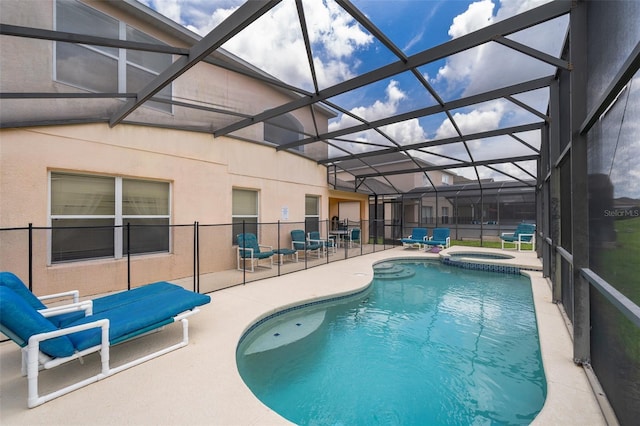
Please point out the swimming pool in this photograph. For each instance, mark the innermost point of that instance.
(441, 345)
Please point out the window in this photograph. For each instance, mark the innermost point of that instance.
(87, 214)
(282, 130)
(244, 215)
(446, 179)
(312, 213)
(145, 207)
(445, 215)
(427, 214)
(99, 69)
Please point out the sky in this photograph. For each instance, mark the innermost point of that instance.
(343, 49)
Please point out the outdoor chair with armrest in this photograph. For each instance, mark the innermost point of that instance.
(46, 345)
(440, 238)
(300, 242)
(250, 250)
(416, 239)
(525, 233)
(329, 244)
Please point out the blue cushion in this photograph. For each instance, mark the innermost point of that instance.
(20, 321)
(9, 279)
(112, 301)
(118, 299)
(248, 241)
(297, 236)
(418, 234)
(285, 251)
(440, 234)
(139, 316)
(522, 228)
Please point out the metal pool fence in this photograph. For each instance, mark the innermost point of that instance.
(204, 257)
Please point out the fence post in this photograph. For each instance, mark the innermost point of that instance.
(278, 255)
(196, 260)
(361, 237)
(128, 256)
(326, 242)
(244, 246)
(30, 256)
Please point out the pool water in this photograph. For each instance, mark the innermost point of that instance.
(441, 345)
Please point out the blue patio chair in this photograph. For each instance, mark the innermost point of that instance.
(353, 237)
(46, 345)
(328, 244)
(416, 239)
(249, 250)
(525, 233)
(299, 242)
(440, 238)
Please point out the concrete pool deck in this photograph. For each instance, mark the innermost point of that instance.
(200, 384)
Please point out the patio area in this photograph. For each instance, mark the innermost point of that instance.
(200, 384)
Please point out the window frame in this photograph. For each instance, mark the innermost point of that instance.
(312, 221)
(445, 214)
(118, 217)
(235, 217)
(121, 60)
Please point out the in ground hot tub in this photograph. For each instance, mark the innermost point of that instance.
(493, 262)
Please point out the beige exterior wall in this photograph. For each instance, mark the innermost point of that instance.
(202, 85)
(202, 172)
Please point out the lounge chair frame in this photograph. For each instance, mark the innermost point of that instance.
(305, 245)
(329, 244)
(33, 360)
(254, 261)
(416, 239)
(23, 321)
(518, 237)
(437, 240)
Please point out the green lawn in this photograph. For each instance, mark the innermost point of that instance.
(472, 243)
(620, 265)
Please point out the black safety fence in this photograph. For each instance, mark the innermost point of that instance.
(101, 258)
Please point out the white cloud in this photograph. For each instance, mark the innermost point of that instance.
(405, 132)
(486, 117)
(477, 15)
(274, 42)
(492, 66)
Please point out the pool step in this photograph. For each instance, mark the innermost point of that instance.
(286, 332)
(390, 271)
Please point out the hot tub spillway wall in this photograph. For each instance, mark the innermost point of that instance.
(467, 261)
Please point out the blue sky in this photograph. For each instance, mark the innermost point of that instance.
(343, 49)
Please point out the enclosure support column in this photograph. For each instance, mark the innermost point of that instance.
(579, 195)
(554, 189)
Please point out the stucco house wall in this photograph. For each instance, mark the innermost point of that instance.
(202, 170)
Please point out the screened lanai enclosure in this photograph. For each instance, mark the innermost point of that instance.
(546, 133)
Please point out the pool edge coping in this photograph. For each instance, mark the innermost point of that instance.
(575, 404)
